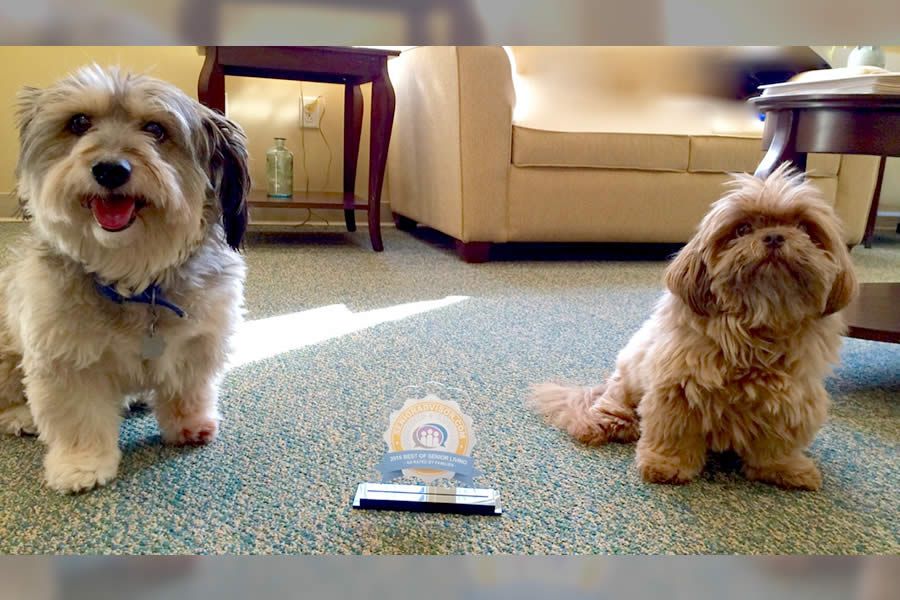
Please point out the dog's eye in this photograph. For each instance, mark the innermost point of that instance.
(79, 124)
(743, 229)
(156, 130)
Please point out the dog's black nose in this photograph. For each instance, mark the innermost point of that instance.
(112, 174)
(774, 240)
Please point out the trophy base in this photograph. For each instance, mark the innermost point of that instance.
(426, 498)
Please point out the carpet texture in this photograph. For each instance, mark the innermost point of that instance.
(302, 428)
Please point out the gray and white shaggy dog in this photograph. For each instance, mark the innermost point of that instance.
(129, 280)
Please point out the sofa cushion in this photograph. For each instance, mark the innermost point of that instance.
(642, 151)
(728, 154)
(614, 205)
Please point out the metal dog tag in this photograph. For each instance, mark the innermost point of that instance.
(152, 347)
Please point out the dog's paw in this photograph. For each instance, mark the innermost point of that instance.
(78, 472)
(194, 431)
(17, 420)
(659, 468)
(797, 473)
(616, 427)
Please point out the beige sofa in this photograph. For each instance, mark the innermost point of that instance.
(563, 144)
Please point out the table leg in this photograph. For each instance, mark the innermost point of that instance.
(382, 122)
(211, 85)
(783, 146)
(353, 114)
(873, 208)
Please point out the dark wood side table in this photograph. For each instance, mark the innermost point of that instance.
(845, 124)
(350, 67)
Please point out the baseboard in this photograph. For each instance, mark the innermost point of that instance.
(316, 216)
(8, 207)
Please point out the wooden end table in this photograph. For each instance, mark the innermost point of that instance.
(843, 124)
(350, 67)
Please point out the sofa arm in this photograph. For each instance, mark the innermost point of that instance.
(855, 187)
(450, 150)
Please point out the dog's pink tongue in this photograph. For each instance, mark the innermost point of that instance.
(113, 213)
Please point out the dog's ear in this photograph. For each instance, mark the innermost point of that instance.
(27, 102)
(688, 279)
(830, 233)
(844, 288)
(229, 173)
(26, 108)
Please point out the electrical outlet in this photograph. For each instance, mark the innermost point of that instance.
(311, 110)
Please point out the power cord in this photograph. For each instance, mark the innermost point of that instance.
(303, 139)
(328, 146)
(309, 211)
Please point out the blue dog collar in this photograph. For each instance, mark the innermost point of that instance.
(152, 295)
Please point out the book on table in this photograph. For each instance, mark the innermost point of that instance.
(867, 80)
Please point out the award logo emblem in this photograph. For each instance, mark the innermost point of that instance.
(428, 438)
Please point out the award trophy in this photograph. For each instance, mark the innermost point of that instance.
(428, 438)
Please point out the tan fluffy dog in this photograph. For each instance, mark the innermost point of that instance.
(734, 356)
(136, 198)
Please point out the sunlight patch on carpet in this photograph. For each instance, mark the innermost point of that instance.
(264, 338)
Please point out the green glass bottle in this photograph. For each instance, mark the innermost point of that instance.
(280, 170)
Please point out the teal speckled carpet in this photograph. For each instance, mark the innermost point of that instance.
(302, 428)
